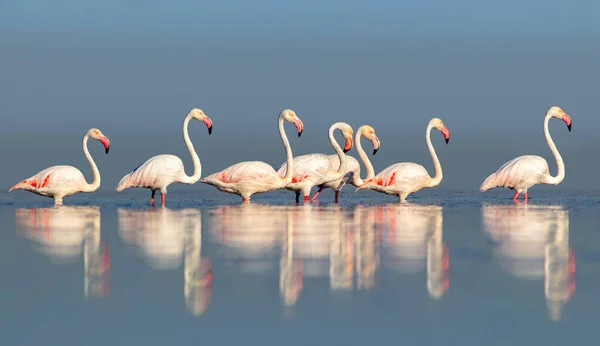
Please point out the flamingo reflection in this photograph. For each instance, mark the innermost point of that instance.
(63, 234)
(533, 242)
(165, 237)
(412, 241)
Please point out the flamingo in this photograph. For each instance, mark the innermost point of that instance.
(253, 177)
(316, 169)
(402, 179)
(525, 171)
(352, 175)
(160, 171)
(61, 181)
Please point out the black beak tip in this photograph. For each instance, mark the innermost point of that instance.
(346, 150)
(569, 127)
(300, 133)
(447, 140)
(106, 150)
(210, 130)
(375, 151)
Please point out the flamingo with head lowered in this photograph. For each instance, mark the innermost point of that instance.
(402, 179)
(60, 181)
(253, 177)
(352, 175)
(160, 171)
(525, 171)
(316, 169)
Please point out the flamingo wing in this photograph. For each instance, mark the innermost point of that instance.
(158, 171)
(56, 177)
(521, 172)
(405, 176)
(313, 166)
(244, 171)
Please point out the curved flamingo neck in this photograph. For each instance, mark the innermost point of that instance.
(363, 156)
(195, 159)
(96, 180)
(338, 150)
(435, 181)
(559, 161)
(288, 153)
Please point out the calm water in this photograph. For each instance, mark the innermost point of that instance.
(448, 268)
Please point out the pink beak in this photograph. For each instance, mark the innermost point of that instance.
(208, 124)
(567, 119)
(446, 134)
(106, 143)
(299, 126)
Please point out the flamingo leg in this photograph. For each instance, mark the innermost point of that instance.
(244, 199)
(336, 198)
(516, 195)
(525, 196)
(297, 196)
(317, 194)
(162, 199)
(152, 198)
(306, 198)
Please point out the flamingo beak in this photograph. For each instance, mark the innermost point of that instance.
(106, 143)
(208, 122)
(348, 144)
(376, 144)
(567, 119)
(446, 134)
(299, 126)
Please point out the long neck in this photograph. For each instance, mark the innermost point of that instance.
(96, 181)
(340, 153)
(435, 181)
(195, 159)
(559, 161)
(288, 154)
(363, 156)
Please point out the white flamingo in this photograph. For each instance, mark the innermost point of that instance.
(158, 172)
(60, 181)
(525, 171)
(402, 179)
(315, 169)
(253, 177)
(352, 175)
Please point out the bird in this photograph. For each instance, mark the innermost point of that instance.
(402, 179)
(158, 172)
(316, 169)
(523, 172)
(61, 181)
(352, 175)
(253, 177)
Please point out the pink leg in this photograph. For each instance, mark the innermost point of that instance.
(162, 199)
(317, 194)
(306, 198)
(525, 196)
(516, 195)
(336, 198)
(244, 199)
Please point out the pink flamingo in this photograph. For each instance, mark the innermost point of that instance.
(160, 171)
(525, 171)
(402, 179)
(352, 175)
(253, 177)
(61, 181)
(316, 169)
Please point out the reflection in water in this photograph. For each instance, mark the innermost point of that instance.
(164, 236)
(533, 242)
(62, 233)
(328, 241)
(412, 240)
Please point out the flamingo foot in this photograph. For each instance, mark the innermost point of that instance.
(305, 198)
(336, 198)
(516, 195)
(244, 199)
(152, 198)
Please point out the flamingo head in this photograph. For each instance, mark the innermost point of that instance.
(369, 133)
(290, 115)
(347, 132)
(198, 114)
(438, 124)
(557, 112)
(97, 135)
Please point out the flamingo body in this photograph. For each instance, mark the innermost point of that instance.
(309, 170)
(244, 178)
(351, 176)
(156, 173)
(519, 174)
(400, 179)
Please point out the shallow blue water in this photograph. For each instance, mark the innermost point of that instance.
(450, 267)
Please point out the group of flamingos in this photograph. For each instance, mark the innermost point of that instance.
(299, 174)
